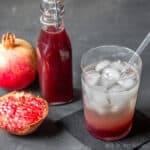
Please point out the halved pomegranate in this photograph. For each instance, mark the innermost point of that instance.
(21, 113)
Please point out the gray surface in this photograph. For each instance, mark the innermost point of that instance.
(53, 141)
(139, 134)
(146, 146)
(90, 23)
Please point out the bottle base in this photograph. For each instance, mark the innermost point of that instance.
(60, 103)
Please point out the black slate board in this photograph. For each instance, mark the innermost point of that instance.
(139, 134)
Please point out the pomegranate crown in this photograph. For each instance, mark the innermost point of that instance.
(8, 40)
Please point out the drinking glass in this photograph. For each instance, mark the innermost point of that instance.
(109, 90)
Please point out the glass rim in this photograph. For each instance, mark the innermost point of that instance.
(103, 46)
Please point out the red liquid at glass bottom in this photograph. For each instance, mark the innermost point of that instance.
(55, 65)
(108, 128)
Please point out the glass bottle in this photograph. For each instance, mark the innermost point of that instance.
(54, 55)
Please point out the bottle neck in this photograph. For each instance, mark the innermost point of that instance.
(52, 12)
(51, 25)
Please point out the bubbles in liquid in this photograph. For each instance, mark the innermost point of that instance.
(101, 65)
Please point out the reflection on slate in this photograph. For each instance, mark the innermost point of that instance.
(139, 134)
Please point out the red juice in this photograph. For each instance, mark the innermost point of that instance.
(54, 55)
(108, 127)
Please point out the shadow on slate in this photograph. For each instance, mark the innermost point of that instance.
(33, 87)
(48, 129)
(139, 134)
(76, 94)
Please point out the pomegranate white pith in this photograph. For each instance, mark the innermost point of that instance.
(21, 113)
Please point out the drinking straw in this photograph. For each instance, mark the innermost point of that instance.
(141, 48)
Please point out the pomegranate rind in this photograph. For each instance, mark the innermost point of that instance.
(18, 65)
(30, 128)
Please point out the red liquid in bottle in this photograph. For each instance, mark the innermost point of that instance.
(55, 65)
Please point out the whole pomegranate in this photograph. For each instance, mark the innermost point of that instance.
(21, 113)
(17, 63)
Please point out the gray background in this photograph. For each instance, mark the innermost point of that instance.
(89, 23)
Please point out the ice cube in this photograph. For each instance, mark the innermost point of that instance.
(96, 104)
(128, 72)
(123, 96)
(116, 88)
(100, 99)
(109, 77)
(118, 65)
(100, 88)
(86, 90)
(125, 106)
(97, 100)
(127, 83)
(118, 98)
(84, 87)
(110, 74)
(103, 111)
(120, 107)
(89, 67)
(92, 77)
(101, 65)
